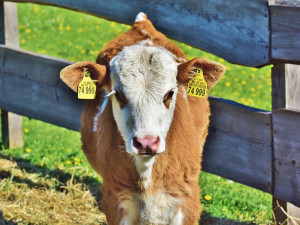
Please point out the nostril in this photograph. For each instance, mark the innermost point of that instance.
(136, 143)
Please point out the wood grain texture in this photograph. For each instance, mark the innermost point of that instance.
(287, 155)
(295, 3)
(11, 24)
(285, 27)
(235, 30)
(285, 86)
(4, 128)
(285, 94)
(30, 86)
(278, 87)
(15, 122)
(15, 130)
(292, 74)
(239, 144)
(2, 25)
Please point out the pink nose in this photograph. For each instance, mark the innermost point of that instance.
(146, 145)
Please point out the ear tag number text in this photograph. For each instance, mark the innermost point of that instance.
(86, 88)
(197, 85)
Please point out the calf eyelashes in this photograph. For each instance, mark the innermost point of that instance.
(168, 98)
(121, 98)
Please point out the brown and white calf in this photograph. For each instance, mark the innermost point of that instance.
(142, 133)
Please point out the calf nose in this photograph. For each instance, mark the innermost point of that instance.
(146, 145)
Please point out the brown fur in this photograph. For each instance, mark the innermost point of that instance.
(177, 169)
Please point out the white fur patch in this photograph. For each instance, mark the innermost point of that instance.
(140, 17)
(159, 208)
(95, 120)
(181, 60)
(178, 219)
(144, 167)
(144, 32)
(132, 210)
(100, 110)
(146, 42)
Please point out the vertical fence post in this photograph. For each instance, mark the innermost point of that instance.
(12, 135)
(285, 94)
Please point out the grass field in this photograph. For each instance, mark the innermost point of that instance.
(76, 36)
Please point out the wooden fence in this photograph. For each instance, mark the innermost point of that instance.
(258, 148)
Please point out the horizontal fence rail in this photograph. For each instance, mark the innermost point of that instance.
(287, 155)
(30, 86)
(235, 30)
(250, 33)
(239, 145)
(285, 27)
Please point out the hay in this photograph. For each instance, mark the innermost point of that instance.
(26, 198)
(291, 220)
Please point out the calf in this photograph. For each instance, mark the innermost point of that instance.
(142, 133)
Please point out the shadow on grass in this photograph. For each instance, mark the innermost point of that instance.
(207, 219)
(5, 222)
(92, 184)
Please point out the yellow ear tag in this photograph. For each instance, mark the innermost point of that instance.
(197, 86)
(86, 88)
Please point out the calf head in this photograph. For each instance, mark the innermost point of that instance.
(143, 85)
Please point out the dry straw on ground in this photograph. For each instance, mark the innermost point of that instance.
(23, 204)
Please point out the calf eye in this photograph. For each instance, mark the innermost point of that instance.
(120, 98)
(168, 99)
(171, 93)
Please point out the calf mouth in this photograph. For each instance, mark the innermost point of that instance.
(147, 152)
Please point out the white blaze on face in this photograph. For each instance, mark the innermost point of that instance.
(144, 76)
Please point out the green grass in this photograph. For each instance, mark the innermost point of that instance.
(76, 36)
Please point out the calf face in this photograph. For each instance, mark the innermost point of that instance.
(144, 81)
(143, 84)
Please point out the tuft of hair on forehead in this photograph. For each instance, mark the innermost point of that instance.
(141, 60)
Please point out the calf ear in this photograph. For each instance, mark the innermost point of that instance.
(212, 71)
(73, 74)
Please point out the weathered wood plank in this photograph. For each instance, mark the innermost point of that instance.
(15, 130)
(4, 115)
(292, 86)
(15, 122)
(285, 28)
(287, 155)
(4, 128)
(235, 30)
(30, 86)
(11, 24)
(2, 25)
(239, 144)
(285, 94)
(295, 3)
(278, 87)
